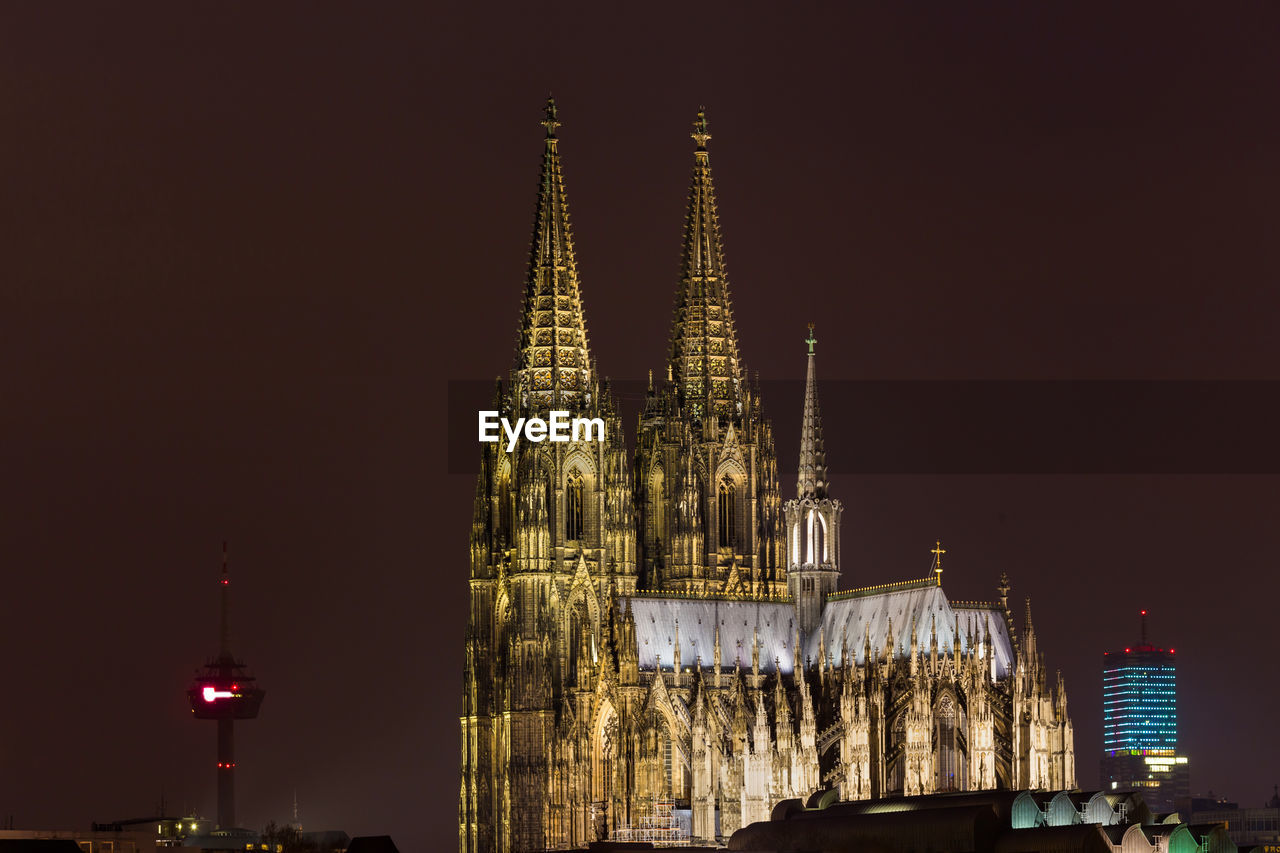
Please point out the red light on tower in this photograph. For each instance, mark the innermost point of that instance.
(225, 691)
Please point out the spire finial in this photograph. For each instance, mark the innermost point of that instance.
(811, 340)
(550, 122)
(937, 552)
(700, 133)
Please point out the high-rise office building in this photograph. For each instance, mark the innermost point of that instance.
(1140, 724)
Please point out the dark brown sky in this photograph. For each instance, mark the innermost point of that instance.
(244, 250)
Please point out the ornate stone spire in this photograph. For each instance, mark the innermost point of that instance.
(704, 344)
(1029, 636)
(812, 480)
(553, 362)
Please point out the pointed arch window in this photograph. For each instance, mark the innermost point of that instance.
(658, 499)
(897, 755)
(950, 754)
(574, 507)
(817, 538)
(727, 514)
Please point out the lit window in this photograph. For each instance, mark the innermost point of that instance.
(573, 523)
(727, 514)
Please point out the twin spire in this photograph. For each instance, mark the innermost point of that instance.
(704, 358)
(553, 362)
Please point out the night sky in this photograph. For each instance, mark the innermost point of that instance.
(244, 249)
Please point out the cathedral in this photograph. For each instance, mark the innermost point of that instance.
(661, 626)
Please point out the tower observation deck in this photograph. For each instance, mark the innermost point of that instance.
(225, 691)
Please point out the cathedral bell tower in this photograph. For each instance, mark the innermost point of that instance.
(552, 540)
(706, 472)
(812, 518)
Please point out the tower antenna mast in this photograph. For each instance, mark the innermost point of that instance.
(225, 691)
(224, 582)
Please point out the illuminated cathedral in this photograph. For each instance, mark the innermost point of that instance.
(661, 626)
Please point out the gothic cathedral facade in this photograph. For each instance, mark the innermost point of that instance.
(662, 626)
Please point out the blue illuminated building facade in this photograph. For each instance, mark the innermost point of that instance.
(1139, 700)
(1140, 724)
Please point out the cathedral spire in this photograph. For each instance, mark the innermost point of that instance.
(812, 480)
(704, 343)
(553, 362)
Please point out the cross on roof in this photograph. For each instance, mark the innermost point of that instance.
(811, 340)
(937, 552)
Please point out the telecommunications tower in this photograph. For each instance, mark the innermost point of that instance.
(223, 690)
